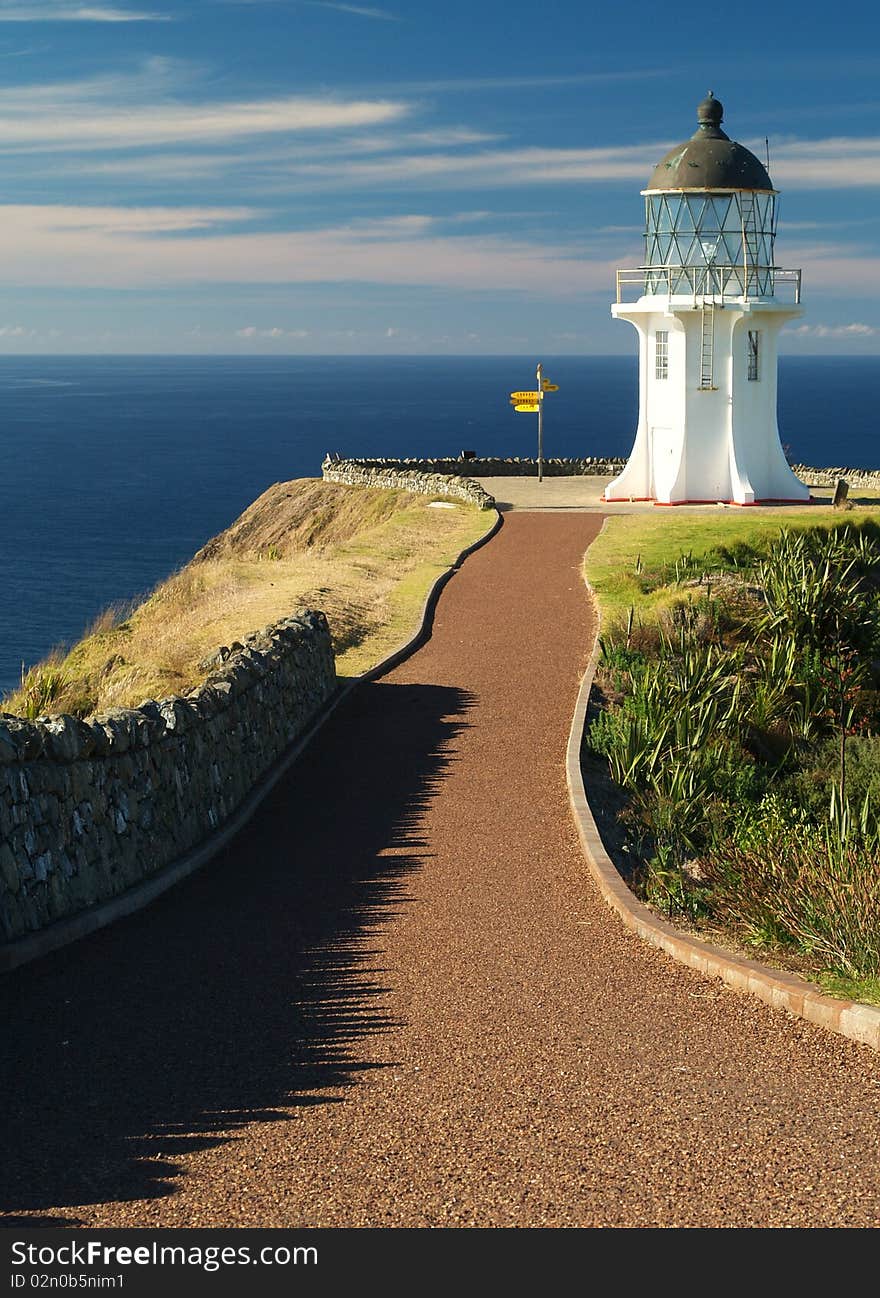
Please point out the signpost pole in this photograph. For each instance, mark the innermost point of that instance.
(540, 373)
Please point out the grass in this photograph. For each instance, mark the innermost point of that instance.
(367, 557)
(865, 990)
(633, 548)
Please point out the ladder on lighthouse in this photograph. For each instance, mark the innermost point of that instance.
(748, 217)
(707, 346)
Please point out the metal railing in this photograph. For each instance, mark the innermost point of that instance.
(717, 283)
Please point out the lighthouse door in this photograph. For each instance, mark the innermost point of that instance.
(664, 461)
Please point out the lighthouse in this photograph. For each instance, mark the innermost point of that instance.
(708, 306)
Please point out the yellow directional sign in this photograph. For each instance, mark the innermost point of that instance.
(529, 409)
(524, 396)
(547, 386)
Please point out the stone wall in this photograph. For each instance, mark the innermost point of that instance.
(484, 467)
(867, 478)
(90, 808)
(391, 473)
(407, 475)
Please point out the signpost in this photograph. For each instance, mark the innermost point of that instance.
(532, 403)
(540, 374)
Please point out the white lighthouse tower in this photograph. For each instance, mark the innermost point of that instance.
(708, 318)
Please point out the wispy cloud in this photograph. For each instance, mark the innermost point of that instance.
(503, 168)
(48, 11)
(840, 162)
(116, 111)
(121, 247)
(827, 164)
(136, 246)
(129, 220)
(360, 11)
(148, 81)
(855, 330)
(251, 331)
(522, 81)
(834, 268)
(275, 163)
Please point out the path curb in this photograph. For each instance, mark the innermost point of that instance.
(781, 990)
(36, 945)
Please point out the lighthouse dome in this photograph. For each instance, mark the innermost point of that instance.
(709, 159)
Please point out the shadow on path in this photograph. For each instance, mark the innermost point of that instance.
(243, 992)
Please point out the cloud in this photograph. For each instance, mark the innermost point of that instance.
(147, 81)
(528, 81)
(97, 127)
(109, 221)
(839, 162)
(264, 165)
(832, 163)
(854, 330)
(361, 11)
(16, 331)
(501, 168)
(49, 12)
(64, 246)
(251, 331)
(834, 268)
(144, 106)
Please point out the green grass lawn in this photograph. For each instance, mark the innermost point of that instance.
(659, 537)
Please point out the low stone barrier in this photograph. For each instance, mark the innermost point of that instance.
(867, 478)
(390, 472)
(406, 475)
(482, 467)
(90, 808)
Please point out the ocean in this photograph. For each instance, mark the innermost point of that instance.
(116, 469)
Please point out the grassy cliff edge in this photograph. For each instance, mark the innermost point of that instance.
(367, 557)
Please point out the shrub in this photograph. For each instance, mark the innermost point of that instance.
(41, 687)
(813, 888)
(745, 733)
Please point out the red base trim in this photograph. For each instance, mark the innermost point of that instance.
(750, 504)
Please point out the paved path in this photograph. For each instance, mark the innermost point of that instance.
(582, 492)
(396, 999)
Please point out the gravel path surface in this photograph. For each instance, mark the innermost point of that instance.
(396, 999)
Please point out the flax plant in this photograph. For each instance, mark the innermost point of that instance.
(716, 745)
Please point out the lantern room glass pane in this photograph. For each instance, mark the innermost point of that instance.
(732, 235)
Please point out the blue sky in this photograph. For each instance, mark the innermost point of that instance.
(292, 176)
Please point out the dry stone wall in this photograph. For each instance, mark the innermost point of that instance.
(406, 475)
(90, 808)
(484, 467)
(867, 478)
(426, 475)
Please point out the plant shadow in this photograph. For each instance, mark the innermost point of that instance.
(243, 993)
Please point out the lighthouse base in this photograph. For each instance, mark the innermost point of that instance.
(707, 434)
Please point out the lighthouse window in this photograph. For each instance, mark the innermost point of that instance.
(754, 354)
(661, 354)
